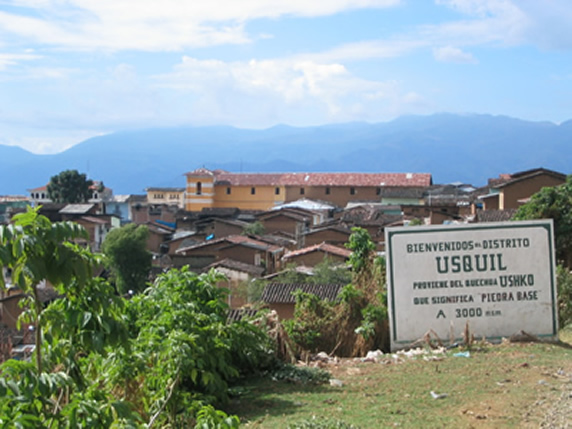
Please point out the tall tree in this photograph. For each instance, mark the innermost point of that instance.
(127, 256)
(69, 186)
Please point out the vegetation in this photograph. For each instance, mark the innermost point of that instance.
(357, 322)
(553, 203)
(564, 282)
(70, 187)
(326, 272)
(163, 359)
(498, 386)
(254, 228)
(127, 257)
(36, 251)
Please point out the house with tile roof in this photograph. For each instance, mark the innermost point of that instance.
(510, 191)
(336, 234)
(240, 248)
(313, 255)
(281, 297)
(262, 191)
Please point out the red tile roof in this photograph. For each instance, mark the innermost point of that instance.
(241, 240)
(316, 179)
(322, 247)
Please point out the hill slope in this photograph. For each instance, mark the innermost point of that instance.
(451, 147)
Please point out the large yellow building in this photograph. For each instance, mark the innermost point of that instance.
(262, 191)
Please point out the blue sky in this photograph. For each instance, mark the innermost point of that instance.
(73, 69)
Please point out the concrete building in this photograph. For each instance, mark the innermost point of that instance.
(262, 191)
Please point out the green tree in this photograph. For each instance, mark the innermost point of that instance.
(328, 272)
(69, 186)
(127, 256)
(183, 350)
(255, 228)
(553, 203)
(357, 322)
(38, 250)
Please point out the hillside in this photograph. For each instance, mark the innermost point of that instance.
(468, 148)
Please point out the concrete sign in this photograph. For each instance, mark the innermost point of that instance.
(498, 277)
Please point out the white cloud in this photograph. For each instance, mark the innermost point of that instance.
(7, 60)
(50, 143)
(295, 91)
(156, 26)
(450, 54)
(368, 50)
(491, 21)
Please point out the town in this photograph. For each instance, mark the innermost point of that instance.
(254, 226)
(265, 238)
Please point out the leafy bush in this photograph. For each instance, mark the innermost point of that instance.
(301, 374)
(564, 282)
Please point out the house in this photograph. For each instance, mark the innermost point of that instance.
(398, 195)
(237, 274)
(219, 227)
(122, 206)
(236, 247)
(10, 298)
(262, 191)
(168, 196)
(181, 239)
(90, 216)
(371, 217)
(99, 193)
(159, 236)
(336, 234)
(143, 212)
(11, 204)
(313, 255)
(510, 191)
(281, 297)
(291, 222)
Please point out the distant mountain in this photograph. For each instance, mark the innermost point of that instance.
(453, 148)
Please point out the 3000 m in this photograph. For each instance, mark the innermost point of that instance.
(468, 312)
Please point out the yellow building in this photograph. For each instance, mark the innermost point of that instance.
(262, 191)
(169, 196)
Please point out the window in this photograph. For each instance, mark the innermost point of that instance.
(378, 191)
(228, 191)
(302, 191)
(252, 191)
(328, 190)
(352, 191)
(276, 191)
(199, 188)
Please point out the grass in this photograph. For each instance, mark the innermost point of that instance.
(498, 386)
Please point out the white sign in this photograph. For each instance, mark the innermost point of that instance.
(498, 277)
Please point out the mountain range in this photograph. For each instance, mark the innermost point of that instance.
(453, 148)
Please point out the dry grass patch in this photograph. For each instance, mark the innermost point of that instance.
(501, 386)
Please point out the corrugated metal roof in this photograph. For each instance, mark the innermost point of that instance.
(76, 208)
(283, 293)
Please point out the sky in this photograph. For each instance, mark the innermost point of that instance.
(74, 69)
